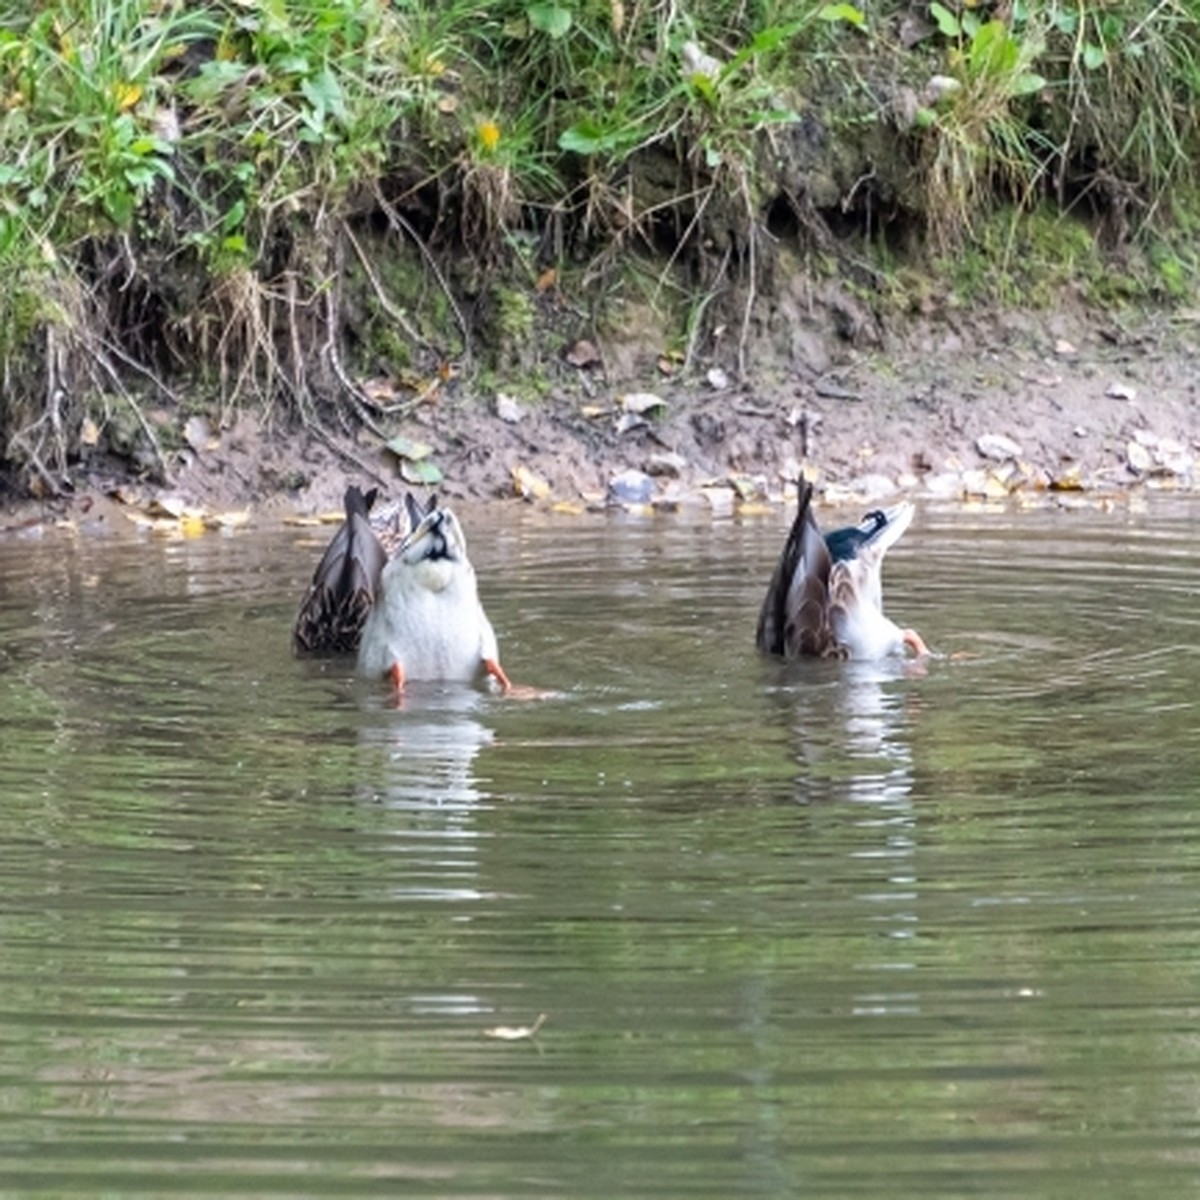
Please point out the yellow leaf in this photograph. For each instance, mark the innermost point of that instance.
(529, 484)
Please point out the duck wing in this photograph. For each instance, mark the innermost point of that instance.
(343, 588)
(794, 618)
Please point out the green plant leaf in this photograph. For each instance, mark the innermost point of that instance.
(843, 12)
(550, 19)
(992, 51)
(1066, 22)
(947, 22)
(324, 93)
(1094, 56)
(704, 86)
(1027, 83)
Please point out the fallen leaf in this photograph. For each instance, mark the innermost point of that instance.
(642, 403)
(507, 408)
(749, 487)
(421, 471)
(528, 484)
(89, 432)
(409, 448)
(1070, 480)
(546, 280)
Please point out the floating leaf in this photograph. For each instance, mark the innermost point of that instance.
(234, 519)
(515, 1033)
(422, 471)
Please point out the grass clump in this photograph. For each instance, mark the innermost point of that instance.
(268, 202)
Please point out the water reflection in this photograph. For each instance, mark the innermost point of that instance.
(820, 923)
(852, 727)
(430, 740)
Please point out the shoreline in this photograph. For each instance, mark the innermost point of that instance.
(1027, 406)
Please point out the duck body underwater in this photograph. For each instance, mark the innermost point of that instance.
(825, 598)
(397, 589)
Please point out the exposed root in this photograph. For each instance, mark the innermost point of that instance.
(397, 221)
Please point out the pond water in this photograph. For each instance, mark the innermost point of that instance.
(825, 930)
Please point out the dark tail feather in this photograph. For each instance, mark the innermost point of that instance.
(343, 587)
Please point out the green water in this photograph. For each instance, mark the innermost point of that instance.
(821, 931)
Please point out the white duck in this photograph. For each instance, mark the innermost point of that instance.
(825, 598)
(402, 594)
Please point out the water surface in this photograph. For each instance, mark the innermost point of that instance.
(810, 930)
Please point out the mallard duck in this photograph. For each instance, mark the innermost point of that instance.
(343, 587)
(825, 598)
(397, 588)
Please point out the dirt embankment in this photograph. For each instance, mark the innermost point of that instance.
(1057, 406)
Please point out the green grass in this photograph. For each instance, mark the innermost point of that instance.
(270, 201)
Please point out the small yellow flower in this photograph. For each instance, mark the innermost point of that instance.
(489, 135)
(126, 95)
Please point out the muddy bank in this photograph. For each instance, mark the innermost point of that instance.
(1038, 407)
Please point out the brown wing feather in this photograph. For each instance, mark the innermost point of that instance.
(794, 618)
(343, 586)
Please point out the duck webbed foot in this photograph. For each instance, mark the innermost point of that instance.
(496, 671)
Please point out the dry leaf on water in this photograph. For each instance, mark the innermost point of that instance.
(515, 1033)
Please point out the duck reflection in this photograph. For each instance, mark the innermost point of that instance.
(417, 768)
(851, 727)
(429, 748)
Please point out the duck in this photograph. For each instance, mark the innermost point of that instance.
(825, 598)
(397, 589)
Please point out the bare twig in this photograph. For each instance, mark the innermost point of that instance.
(104, 363)
(752, 282)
